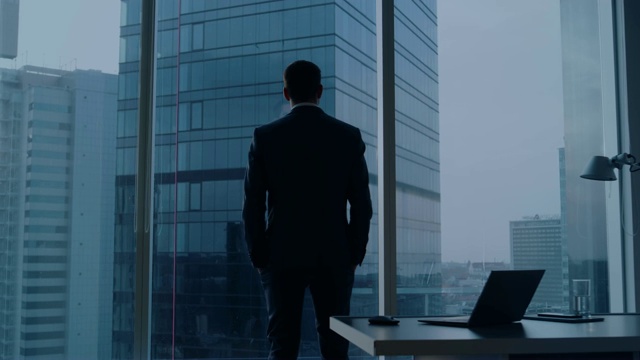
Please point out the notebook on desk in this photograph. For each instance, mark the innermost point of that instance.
(504, 299)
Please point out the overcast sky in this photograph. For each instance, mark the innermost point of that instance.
(501, 120)
(68, 34)
(500, 104)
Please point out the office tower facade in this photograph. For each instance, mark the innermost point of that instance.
(58, 149)
(584, 201)
(9, 10)
(11, 202)
(536, 243)
(218, 76)
(563, 227)
(418, 247)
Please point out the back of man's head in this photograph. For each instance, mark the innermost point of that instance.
(302, 80)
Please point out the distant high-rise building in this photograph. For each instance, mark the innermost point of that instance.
(9, 28)
(563, 227)
(218, 76)
(57, 171)
(584, 201)
(536, 243)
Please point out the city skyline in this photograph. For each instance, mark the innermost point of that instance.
(485, 85)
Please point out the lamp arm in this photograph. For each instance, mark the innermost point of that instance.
(623, 159)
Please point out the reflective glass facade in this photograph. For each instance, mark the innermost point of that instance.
(218, 76)
(584, 201)
(418, 248)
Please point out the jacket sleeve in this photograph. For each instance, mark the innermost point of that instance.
(360, 202)
(254, 206)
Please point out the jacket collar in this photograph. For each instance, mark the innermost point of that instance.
(304, 104)
(306, 108)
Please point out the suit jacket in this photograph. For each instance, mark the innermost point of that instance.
(303, 169)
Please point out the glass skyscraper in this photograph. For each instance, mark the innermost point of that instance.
(9, 10)
(218, 76)
(584, 202)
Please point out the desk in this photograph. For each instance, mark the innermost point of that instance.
(617, 333)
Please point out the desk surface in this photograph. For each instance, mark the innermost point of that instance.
(617, 333)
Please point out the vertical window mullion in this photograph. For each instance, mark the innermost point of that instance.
(612, 144)
(628, 88)
(144, 206)
(386, 157)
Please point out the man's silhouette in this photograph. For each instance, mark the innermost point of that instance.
(303, 169)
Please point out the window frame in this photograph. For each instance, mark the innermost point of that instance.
(627, 54)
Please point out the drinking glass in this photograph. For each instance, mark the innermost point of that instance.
(581, 289)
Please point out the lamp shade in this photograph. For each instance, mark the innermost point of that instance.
(599, 168)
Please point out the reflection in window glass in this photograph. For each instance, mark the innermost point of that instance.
(166, 43)
(196, 115)
(195, 160)
(183, 197)
(130, 13)
(586, 122)
(185, 115)
(185, 38)
(198, 36)
(194, 202)
(165, 122)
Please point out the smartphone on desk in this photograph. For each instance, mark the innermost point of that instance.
(559, 315)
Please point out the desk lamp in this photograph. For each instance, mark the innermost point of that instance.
(601, 167)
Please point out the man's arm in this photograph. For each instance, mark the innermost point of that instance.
(254, 207)
(361, 209)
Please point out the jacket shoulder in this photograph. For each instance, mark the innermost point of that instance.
(271, 126)
(290, 118)
(345, 127)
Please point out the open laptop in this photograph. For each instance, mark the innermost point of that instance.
(503, 300)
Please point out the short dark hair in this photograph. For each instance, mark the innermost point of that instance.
(302, 79)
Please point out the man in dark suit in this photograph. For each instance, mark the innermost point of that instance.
(303, 169)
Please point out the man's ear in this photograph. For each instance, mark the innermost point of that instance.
(285, 92)
(319, 92)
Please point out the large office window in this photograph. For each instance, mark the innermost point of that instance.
(526, 98)
(496, 117)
